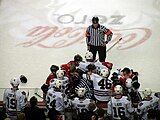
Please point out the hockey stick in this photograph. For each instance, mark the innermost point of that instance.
(114, 45)
(36, 93)
(27, 95)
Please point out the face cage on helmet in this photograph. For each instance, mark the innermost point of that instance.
(120, 91)
(104, 74)
(81, 94)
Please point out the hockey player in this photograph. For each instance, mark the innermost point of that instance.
(102, 88)
(74, 80)
(60, 76)
(80, 103)
(75, 63)
(55, 90)
(52, 75)
(13, 99)
(125, 74)
(128, 73)
(56, 99)
(99, 66)
(49, 79)
(103, 65)
(149, 102)
(88, 79)
(119, 107)
(132, 92)
(115, 79)
(89, 60)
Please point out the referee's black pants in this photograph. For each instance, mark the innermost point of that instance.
(101, 52)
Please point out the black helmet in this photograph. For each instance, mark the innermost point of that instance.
(95, 20)
(23, 79)
(127, 70)
(77, 58)
(54, 68)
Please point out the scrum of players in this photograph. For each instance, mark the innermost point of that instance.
(86, 90)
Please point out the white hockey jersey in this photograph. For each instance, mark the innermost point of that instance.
(145, 105)
(102, 89)
(14, 100)
(80, 106)
(118, 108)
(83, 66)
(65, 82)
(101, 86)
(56, 99)
(91, 77)
(99, 66)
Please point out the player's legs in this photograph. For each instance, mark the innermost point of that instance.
(102, 53)
(93, 50)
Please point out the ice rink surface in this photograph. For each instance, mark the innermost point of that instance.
(37, 33)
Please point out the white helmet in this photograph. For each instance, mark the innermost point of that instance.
(15, 82)
(88, 55)
(58, 83)
(104, 72)
(60, 73)
(147, 92)
(128, 83)
(81, 92)
(118, 89)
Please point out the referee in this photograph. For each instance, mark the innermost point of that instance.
(95, 39)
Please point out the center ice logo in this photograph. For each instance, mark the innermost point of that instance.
(56, 37)
(67, 30)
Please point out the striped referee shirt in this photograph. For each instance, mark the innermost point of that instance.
(84, 84)
(96, 36)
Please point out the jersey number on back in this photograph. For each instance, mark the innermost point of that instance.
(104, 84)
(11, 103)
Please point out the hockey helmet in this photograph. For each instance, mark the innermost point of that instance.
(54, 68)
(23, 79)
(147, 92)
(77, 58)
(81, 92)
(118, 89)
(104, 72)
(15, 82)
(60, 73)
(88, 55)
(128, 83)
